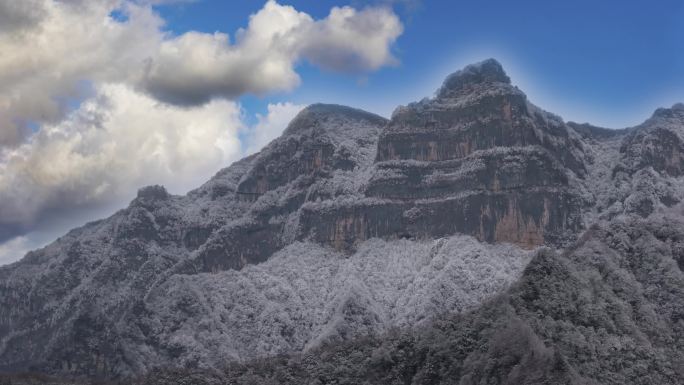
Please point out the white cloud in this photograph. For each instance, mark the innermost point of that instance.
(351, 40)
(114, 143)
(45, 65)
(196, 67)
(14, 249)
(52, 48)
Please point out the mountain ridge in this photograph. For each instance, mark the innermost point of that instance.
(476, 167)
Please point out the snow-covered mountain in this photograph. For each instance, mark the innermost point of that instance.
(472, 238)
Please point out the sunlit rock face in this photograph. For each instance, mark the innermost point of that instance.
(477, 159)
(350, 225)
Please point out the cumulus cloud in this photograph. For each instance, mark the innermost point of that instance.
(48, 63)
(349, 40)
(52, 50)
(114, 143)
(196, 67)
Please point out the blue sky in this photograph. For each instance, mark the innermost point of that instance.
(610, 63)
(101, 97)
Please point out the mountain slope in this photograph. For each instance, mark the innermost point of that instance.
(607, 311)
(350, 227)
(57, 303)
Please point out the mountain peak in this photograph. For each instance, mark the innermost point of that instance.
(488, 71)
(315, 114)
(677, 110)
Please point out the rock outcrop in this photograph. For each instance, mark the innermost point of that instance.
(658, 143)
(477, 159)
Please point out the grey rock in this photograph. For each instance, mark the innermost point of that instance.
(657, 143)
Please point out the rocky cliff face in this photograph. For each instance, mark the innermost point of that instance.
(350, 226)
(480, 159)
(477, 159)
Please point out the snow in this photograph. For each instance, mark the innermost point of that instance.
(618, 182)
(307, 293)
